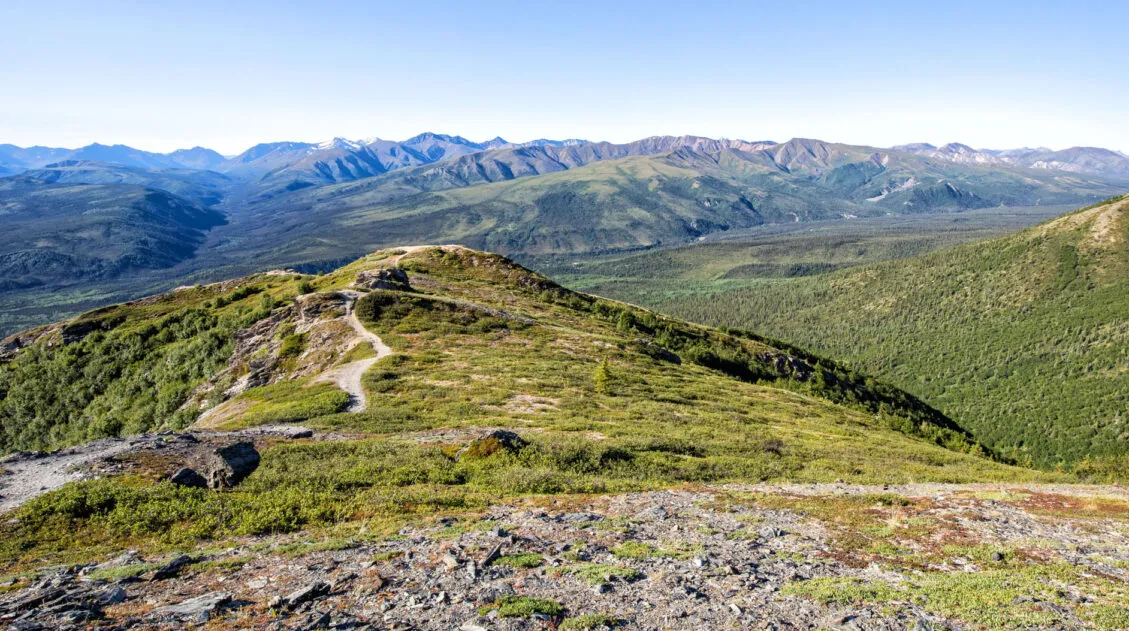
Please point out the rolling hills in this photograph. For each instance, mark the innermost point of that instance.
(59, 234)
(1020, 339)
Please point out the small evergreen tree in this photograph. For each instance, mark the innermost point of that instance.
(602, 377)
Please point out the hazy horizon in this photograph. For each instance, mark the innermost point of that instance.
(518, 142)
(994, 75)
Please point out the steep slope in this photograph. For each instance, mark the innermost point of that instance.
(1021, 339)
(66, 234)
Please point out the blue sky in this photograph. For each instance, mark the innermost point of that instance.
(166, 75)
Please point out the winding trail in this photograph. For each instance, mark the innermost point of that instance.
(348, 377)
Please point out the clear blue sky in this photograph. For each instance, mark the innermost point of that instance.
(164, 75)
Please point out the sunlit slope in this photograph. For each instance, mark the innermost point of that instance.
(478, 341)
(1021, 339)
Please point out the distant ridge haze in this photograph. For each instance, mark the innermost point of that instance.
(299, 164)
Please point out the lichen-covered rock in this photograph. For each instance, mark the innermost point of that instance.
(492, 442)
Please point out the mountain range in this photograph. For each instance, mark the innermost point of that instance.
(1090, 160)
(341, 159)
(313, 206)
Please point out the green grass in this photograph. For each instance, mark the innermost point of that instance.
(521, 560)
(288, 402)
(994, 599)
(523, 607)
(121, 572)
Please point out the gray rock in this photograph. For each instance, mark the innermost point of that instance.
(492, 556)
(580, 518)
(603, 588)
(771, 532)
(654, 513)
(172, 568)
(228, 466)
(197, 610)
(110, 596)
(310, 592)
(493, 591)
(188, 477)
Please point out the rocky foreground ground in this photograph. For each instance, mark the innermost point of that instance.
(760, 557)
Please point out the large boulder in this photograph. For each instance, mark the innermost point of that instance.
(390, 278)
(228, 466)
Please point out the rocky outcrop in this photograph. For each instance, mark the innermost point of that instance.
(392, 278)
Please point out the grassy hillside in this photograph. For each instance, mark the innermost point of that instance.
(610, 397)
(1020, 339)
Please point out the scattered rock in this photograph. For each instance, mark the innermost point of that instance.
(653, 513)
(580, 518)
(310, 592)
(110, 596)
(492, 555)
